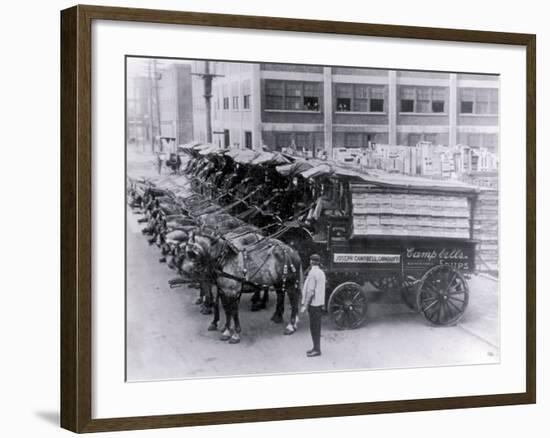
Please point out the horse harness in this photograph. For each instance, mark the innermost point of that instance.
(217, 266)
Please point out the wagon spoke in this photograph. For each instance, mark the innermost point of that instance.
(356, 295)
(430, 305)
(449, 311)
(450, 303)
(451, 278)
(432, 314)
(439, 313)
(430, 298)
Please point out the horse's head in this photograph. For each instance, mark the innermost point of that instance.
(200, 253)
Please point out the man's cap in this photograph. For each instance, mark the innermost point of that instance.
(315, 258)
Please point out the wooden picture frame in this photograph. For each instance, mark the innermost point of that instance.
(76, 217)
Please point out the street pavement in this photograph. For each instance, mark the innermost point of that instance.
(167, 337)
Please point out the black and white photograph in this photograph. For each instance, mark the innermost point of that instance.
(293, 218)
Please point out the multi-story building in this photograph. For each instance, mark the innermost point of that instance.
(176, 103)
(319, 109)
(138, 108)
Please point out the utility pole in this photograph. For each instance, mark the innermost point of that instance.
(157, 100)
(151, 133)
(207, 78)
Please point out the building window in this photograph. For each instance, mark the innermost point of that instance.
(438, 106)
(423, 99)
(226, 103)
(359, 98)
(246, 101)
(283, 140)
(467, 107)
(479, 101)
(292, 95)
(438, 100)
(376, 101)
(235, 102)
(248, 139)
(407, 105)
(343, 104)
(274, 94)
(311, 103)
(226, 137)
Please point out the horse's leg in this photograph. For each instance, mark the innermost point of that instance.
(226, 334)
(294, 298)
(279, 308)
(154, 234)
(254, 306)
(236, 336)
(206, 307)
(164, 249)
(216, 304)
(200, 298)
(265, 298)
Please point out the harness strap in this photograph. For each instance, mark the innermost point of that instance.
(242, 280)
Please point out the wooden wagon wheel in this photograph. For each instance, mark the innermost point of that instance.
(347, 306)
(442, 295)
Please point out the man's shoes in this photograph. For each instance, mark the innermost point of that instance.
(313, 353)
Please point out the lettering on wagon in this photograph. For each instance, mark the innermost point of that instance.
(445, 253)
(366, 258)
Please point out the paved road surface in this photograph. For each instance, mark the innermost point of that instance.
(167, 336)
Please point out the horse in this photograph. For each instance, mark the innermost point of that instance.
(263, 264)
(235, 231)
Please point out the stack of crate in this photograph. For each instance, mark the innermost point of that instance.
(485, 230)
(407, 214)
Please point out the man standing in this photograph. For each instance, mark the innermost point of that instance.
(313, 297)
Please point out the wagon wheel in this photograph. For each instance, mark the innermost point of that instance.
(347, 306)
(442, 295)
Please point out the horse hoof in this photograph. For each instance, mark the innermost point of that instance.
(206, 311)
(290, 329)
(212, 327)
(277, 319)
(224, 337)
(234, 340)
(162, 260)
(198, 301)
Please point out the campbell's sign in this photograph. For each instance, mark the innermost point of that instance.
(366, 258)
(443, 253)
(455, 257)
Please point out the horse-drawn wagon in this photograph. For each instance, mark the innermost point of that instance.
(395, 232)
(400, 233)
